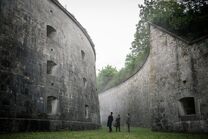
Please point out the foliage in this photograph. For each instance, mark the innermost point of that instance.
(136, 133)
(134, 60)
(132, 65)
(104, 76)
(188, 19)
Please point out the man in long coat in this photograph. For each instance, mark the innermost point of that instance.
(110, 120)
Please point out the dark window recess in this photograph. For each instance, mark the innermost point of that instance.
(4, 52)
(206, 55)
(26, 92)
(83, 54)
(3, 87)
(188, 106)
(28, 107)
(50, 66)
(5, 102)
(26, 74)
(86, 111)
(84, 82)
(5, 63)
(52, 104)
(50, 31)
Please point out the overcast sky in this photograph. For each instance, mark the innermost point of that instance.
(111, 25)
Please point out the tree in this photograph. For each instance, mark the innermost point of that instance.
(188, 19)
(104, 76)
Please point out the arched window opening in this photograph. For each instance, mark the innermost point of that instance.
(51, 31)
(52, 105)
(187, 106)
(50, 65)
(86, 111)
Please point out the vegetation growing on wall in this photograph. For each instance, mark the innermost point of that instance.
(188, 19)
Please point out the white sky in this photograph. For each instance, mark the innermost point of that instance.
(111, 25)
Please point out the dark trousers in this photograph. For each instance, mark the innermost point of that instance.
(117, 128)
(128, 125)
(110, 128)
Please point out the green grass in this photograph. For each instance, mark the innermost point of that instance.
(136, 133)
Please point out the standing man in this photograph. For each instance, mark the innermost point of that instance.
(110, 120)
(128, 122)
(118, 123)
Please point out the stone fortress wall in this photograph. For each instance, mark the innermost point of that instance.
(47, 69)
(170, 92)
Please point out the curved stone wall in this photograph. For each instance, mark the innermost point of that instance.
(132, 96)
(170, 91)
(47, 68)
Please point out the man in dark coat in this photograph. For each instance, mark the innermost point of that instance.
(110, 120)
(118, 123)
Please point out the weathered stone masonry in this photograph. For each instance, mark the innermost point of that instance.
(170, 91)
(47, 68)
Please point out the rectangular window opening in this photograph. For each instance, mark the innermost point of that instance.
(187, 106)
(50, 66)
(86, 111)
(52, 105)
(51, 32)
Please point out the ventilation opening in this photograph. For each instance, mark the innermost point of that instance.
(187, 106)
(184, 81)
(86, 111)
(50, 66)
(84, 82)
(50, 31)
(6, 63)
(83, 54)
(26, 91)
(5, 102)
(52, 105)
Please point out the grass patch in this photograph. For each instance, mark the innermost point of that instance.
(136, 133)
